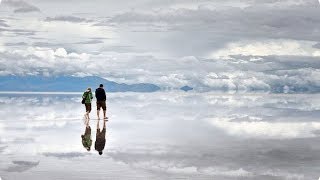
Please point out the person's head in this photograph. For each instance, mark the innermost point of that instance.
(100, 152)
(101, 86)
(89, 89)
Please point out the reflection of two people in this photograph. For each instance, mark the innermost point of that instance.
(100, 137)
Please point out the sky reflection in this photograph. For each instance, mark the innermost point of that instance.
(162, 136)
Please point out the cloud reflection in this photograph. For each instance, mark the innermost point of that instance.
(179, 135)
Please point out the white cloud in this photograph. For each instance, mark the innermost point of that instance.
(219, 171)
(296, 73)
(264, 129)
(175, 168)
(235, 81)
(267, 48)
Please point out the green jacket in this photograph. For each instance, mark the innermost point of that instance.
(88, 96)
(86, 138)
(86, 141)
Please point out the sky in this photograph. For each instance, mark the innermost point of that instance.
(207, 44)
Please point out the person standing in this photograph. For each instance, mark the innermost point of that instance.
(101, 101)
(87, 97)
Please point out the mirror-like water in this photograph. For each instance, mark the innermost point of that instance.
(162, 136)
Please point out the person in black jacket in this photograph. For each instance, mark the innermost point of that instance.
(100, 138)
(101, 101)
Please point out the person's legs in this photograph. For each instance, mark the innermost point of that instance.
(104, 114)
(88, 110)
(98, 128)
(98, 109)
(103, 104)
(86, 114)
(98, 114)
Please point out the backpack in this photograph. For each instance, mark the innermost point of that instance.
(84, 99)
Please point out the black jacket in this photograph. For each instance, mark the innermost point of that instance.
(100, 94)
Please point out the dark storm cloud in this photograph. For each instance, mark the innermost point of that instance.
(21, 166)
(73, 19)
(21, 6)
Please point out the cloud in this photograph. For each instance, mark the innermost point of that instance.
(3, 23)
(2, 148)
(65, 155)
(16, 44)
(27, 9)
(316, 46)
(171, 168)
(20, 6)
(268, 48)
(46, 44)
(265, 129)
(208, 27)
(245, 73)
(257, 21)
(19, 32)
(94, 41)
(21, 166)
(23, 140)
(222, 45)
(73, 19)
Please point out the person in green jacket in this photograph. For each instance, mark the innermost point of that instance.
(86, 138)
(87, 95)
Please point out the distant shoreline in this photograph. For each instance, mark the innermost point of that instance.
(35, 92)
(174, 91)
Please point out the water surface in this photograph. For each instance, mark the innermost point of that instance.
(163, 135)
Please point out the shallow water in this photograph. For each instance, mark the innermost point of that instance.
(164, 135)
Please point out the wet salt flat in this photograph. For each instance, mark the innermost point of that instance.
(164, 135)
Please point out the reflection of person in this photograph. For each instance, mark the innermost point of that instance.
(87, 96)
(100, 138)
(101, 101)
(86, 138)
